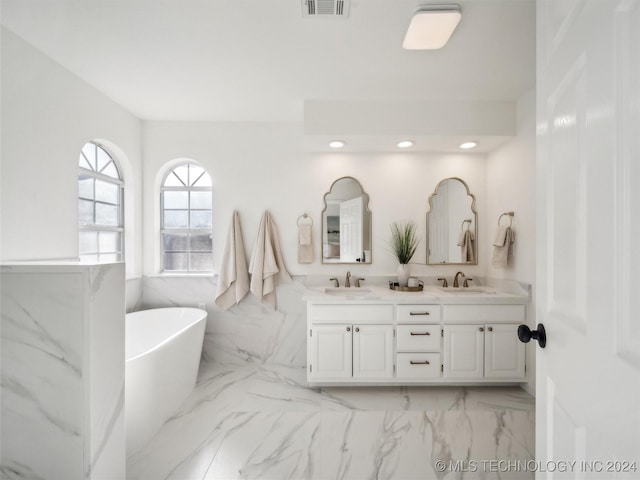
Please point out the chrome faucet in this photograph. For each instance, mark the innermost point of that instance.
(455, 279)
(347, 281)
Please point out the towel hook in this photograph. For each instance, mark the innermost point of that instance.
(468, 220)
(304, 216)
(510, 215)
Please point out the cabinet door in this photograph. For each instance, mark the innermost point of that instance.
(504, 353)
(372, 351)
(463, 351)
(330, 352)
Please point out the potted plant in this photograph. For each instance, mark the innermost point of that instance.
(403, 243)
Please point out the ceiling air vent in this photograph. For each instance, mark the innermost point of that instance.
(325, 8)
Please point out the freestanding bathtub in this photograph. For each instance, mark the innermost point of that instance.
(162, 350)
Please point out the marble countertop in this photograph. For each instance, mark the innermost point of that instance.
(430, 295)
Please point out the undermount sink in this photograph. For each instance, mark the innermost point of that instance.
(348, 292)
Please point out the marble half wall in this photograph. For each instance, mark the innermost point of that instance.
(248, 332)
(62, 371)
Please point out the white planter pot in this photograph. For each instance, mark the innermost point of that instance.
(403, 274)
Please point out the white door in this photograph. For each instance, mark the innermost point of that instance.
(463, 349)
(503, 352)
(331, 350)
(351, 219)
(588, 205)
(372, 351)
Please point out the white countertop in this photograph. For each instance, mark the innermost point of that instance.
(430, 295)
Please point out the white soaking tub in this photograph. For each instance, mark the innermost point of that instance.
(162, 350)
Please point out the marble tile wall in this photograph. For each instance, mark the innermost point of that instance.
(248, 332)
(62, 372)
(133, 294)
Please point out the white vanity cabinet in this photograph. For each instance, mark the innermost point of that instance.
(376, 343)
(350, 343)
(481, 342)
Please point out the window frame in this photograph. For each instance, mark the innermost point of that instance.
(188, 232)
(95, 227)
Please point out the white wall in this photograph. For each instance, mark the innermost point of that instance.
(258, 166)
(48, 114)
(511, 186)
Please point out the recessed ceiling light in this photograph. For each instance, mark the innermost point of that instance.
(431, 27)
(467, 145)
(336, 144)
(405, 144)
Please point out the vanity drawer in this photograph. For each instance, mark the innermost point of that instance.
(418, 365)
(418, 338)
(418, 314)
(350, 313)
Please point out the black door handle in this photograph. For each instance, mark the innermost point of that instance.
(525, 334)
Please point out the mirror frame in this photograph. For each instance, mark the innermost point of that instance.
(475, 222)
(366, 211)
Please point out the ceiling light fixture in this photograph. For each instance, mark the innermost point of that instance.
(468, 145)
(337, 144)
(405, 144)
(431, 26)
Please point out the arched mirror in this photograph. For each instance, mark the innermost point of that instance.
(346, 223)
(452, 224)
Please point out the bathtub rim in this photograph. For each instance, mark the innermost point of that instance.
(171, 337)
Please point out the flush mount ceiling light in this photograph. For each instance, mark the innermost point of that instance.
(431, 27)
(336, 144)
(405, 144)
(468, 145)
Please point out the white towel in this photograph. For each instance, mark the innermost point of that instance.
(305, 244)
(501, 236)
(233, 278)
(304, 234)
(466, 243)
(502, 246)
(267, 267)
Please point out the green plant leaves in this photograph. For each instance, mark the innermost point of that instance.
(404, 241)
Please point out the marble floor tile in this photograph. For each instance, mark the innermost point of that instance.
(271, 445)
(261, 422)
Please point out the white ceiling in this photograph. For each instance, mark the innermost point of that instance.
(258, 60)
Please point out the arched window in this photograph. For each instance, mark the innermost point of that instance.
(185, 203)
(100, 206)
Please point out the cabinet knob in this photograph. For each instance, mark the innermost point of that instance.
(481, 329)
(490, 329)
(357, 329)
(348, 329)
